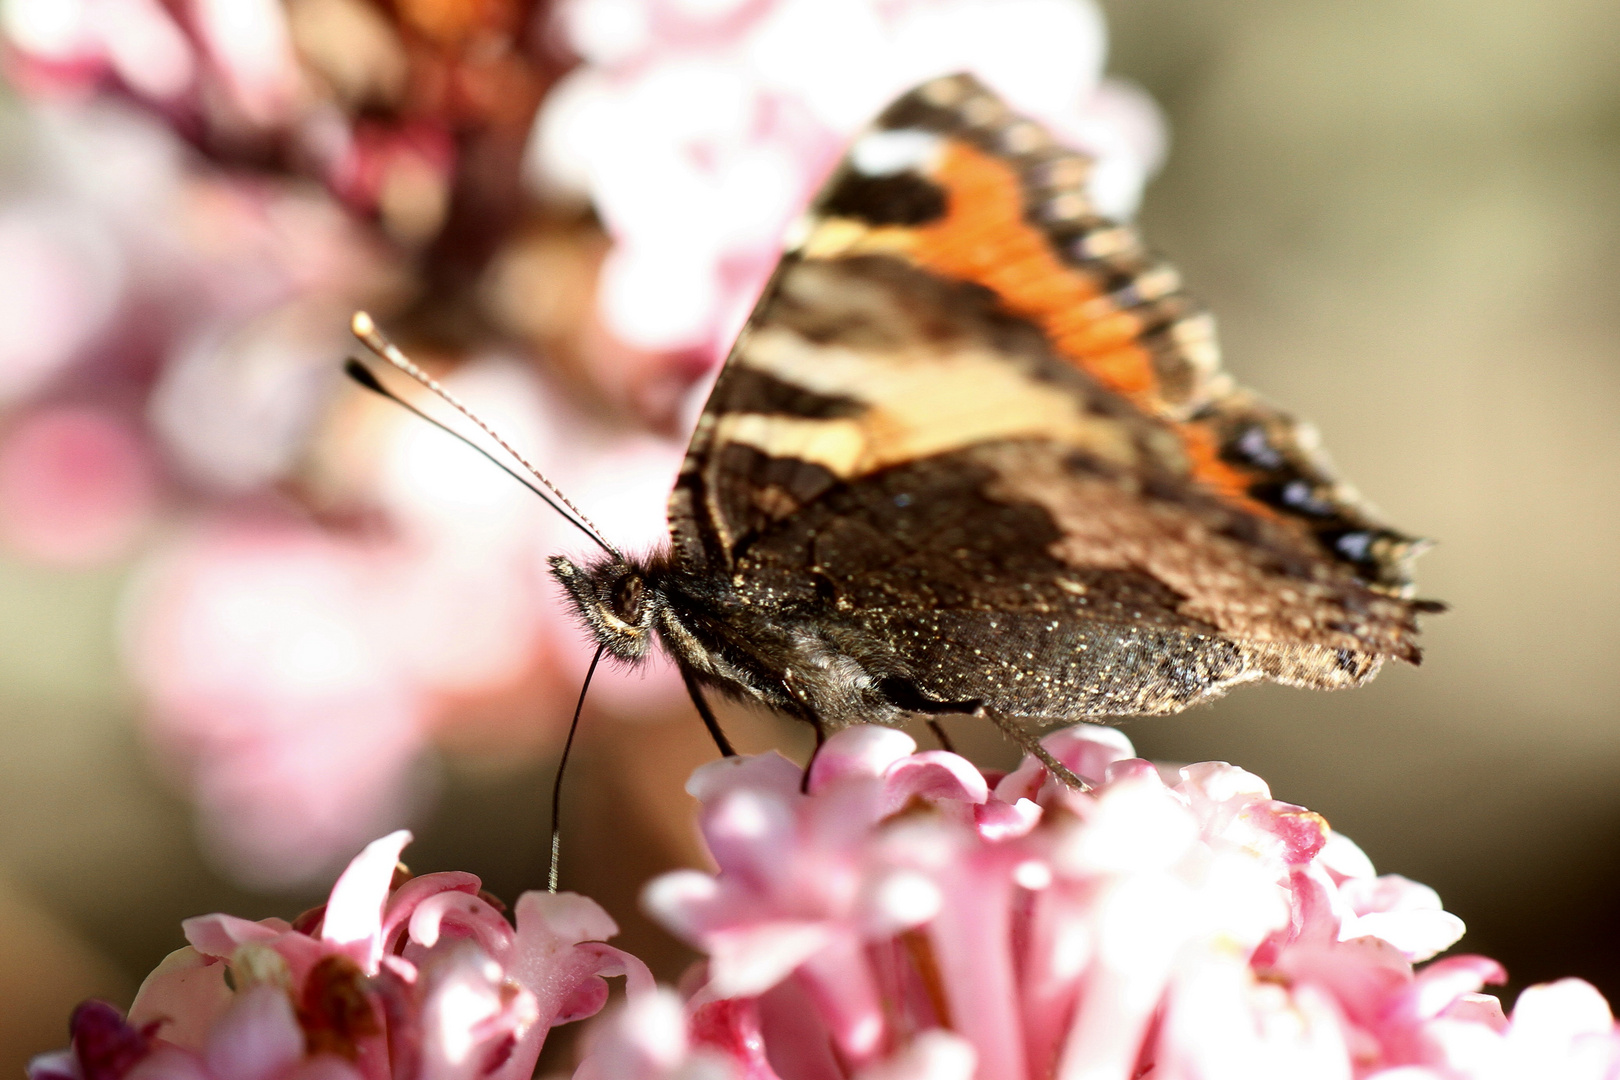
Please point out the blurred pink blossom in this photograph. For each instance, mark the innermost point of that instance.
(60, 280)
(912, 917)
(250, 44)
(651, 1038)
(68, 43)
(295, 676)
(700, 130)
(77, 486)
(420, 980)
(201, 193)
(256, 643)
(224, 71)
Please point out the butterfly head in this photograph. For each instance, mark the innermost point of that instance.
(615, 601)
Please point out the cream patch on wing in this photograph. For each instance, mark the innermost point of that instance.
(920, 402)
(837, 445)
(887, 152)
(817, 237)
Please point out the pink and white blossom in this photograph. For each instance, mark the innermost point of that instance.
(77, 486)
(909, 918)
(422, 979)
(913, 917)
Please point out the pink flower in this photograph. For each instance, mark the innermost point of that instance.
(912, 917)
(60, 280)
(294, 677)
(425, 980)
(77, 486)
(259, 646)
(67, 43)
(210, 187)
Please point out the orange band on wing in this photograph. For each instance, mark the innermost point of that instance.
(984, 239)
(1207, 466)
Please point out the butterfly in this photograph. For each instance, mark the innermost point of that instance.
(974, 452)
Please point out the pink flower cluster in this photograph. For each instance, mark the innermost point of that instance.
(204, 192)
(419, 980)
(915, 918)
(237, 76)
(910, 918)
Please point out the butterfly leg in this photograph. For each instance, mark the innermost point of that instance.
(709, 721)
(1015, 731)
(821, 740)
(944, 739)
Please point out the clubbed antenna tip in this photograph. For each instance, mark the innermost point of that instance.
(365, 328)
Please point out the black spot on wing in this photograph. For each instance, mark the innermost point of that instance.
(756, 490)
(1265, 445)
(915, 110)
(876, 303)
(1360, 546)
(904, 198)
(744, 467)
(747, 390)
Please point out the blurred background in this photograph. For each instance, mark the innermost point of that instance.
(250, 618)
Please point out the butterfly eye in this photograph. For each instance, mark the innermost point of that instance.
(627, 598)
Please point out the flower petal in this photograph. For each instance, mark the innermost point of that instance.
(1418, 934)
(932, 1055)
(470, 914)
(680, 899)
(1440, 984)
(934, 775)
(355, 910)
(771, 771)
(1388, 893)
(567, 917)
(1555, 1014)
(402, 904)
(865, 750)
(220, 935)
(1344, 859)
(187, 992)
(1137, 825)
(646, 1039)
(999, 820)
(256, 1039)
(731, 1027)
(750, 834)
(746, 961)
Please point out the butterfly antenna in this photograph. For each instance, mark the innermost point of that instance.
(363, 375)
(562, 763)
(365, 328)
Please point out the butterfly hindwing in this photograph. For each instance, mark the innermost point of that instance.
(976, 441)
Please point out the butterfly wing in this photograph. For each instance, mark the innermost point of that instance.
(977, 438)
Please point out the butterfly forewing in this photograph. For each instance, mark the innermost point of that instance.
(975, 447)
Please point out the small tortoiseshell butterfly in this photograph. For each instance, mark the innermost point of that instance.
(974, 453)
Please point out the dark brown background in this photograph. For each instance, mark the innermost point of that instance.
(1405, 216)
